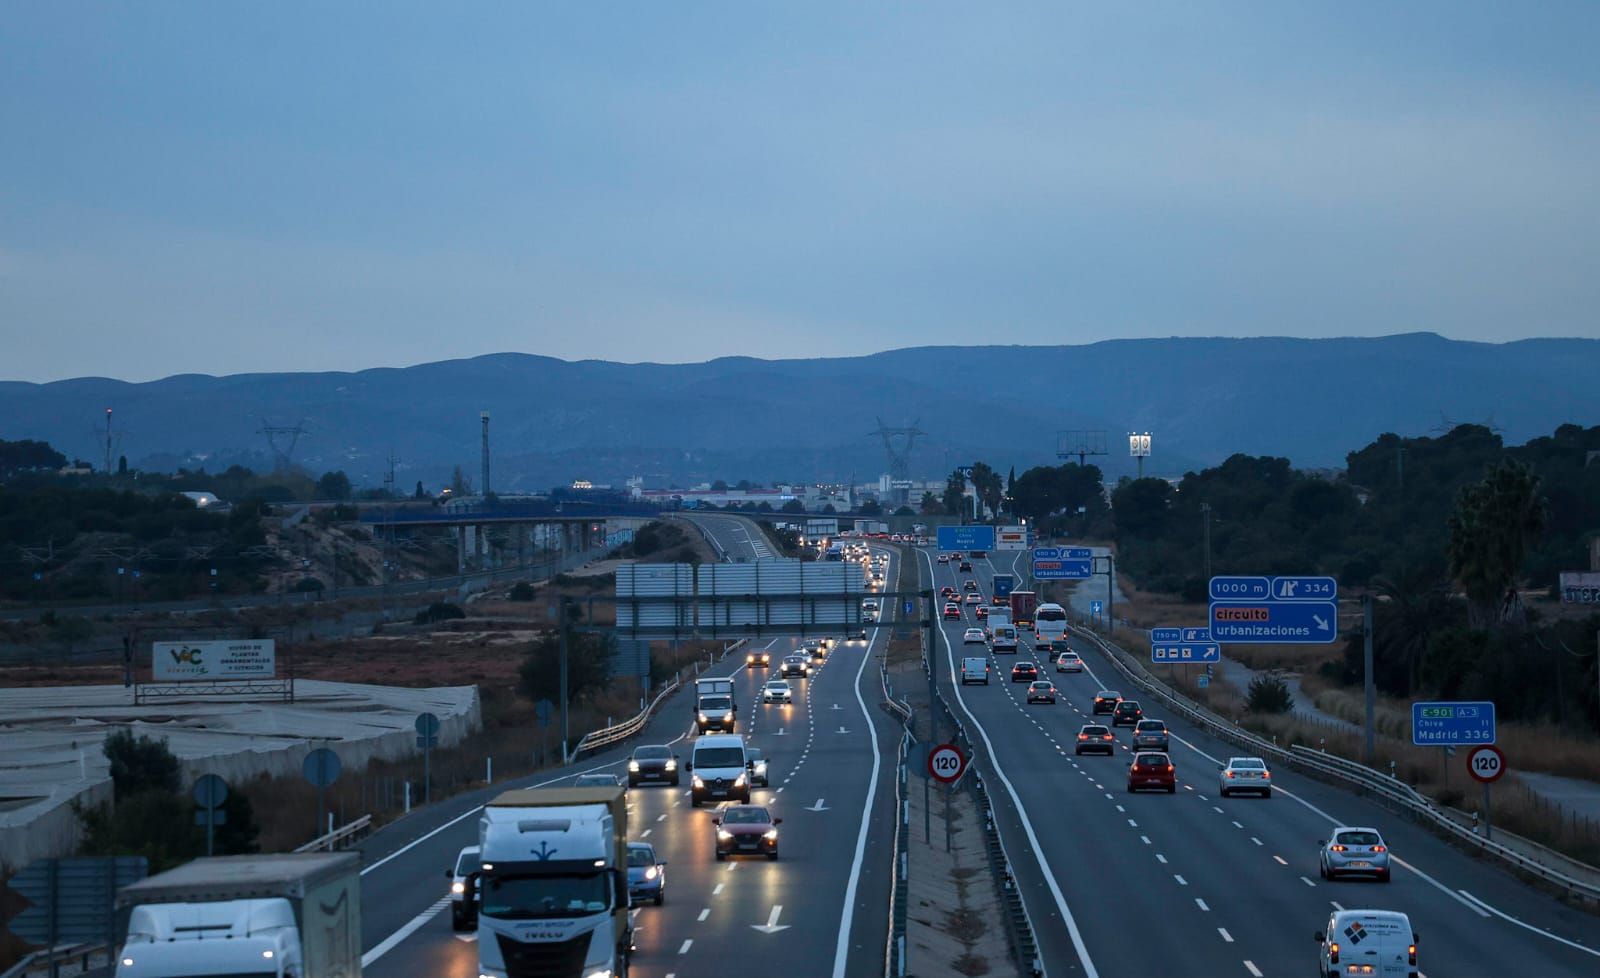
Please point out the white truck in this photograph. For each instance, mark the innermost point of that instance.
(290, 915)
(552, 891)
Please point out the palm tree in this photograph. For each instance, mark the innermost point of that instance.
(1495, 523)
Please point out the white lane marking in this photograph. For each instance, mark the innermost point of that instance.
(847, 909)
(1225, 935)
(645, 833)
(704, 914)
(412, 926)
(1216, 809)
(1237, 825)
(718, 890)
(1022, 813)
(1145, 839)
(1201, 904)
(662, 817)
(1281, 860)
(1249, 966)
(1507, 917)
(1161, 859)
(1336, 904)
(1256, 840)
(1119, 807)
(1180, 879)
(1132, 824)
(686, 945)
(1307, 881)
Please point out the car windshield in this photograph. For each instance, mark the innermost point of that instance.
(745, 816)
(1128, 706)
(1360, 838)
(652, 753)
(641, 856)
(538, 897)
(778, 684)
(719, 757)
(1151, 760)
(467, 862)
(1248, 763)
(716, 703)
(1152, 726)
(752, 754)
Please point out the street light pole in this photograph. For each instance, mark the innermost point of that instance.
(1205, 512)
(1366, 662)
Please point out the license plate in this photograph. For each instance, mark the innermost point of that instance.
(1360, 864)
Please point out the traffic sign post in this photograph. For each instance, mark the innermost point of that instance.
(321, 767)
(1486, 764)
(210, 791)
(1295, 610)
(1062, 563)
(427, 739)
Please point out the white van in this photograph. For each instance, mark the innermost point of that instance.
(719, 769)
(1380, 943)
(1003, 638)
(974, 669)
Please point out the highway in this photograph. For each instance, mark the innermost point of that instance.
(820, 909)
(739, 538)
(1194, 885)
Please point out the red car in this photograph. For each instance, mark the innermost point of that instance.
(1024, 672)
(982, 612)
(746, 830)
(1152, 770)
(952, 611)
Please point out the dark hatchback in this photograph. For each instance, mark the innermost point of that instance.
(652, 763)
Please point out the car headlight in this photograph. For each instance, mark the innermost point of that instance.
(600, 973)
(702, 718)
(739, 781)
(697, 782)
(772, 834)
(458, 887)
(761, 767)
(672, 765)
(724, 834)
(633, 766)
(651, 873)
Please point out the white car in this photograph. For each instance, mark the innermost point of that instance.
(1245, 774)
(1069, 662)
(972, 636)
(777, 691)
(466, 862)
(1379, 943)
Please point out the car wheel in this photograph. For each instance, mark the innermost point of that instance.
(632, 783)
(721, 856)
(772, 857)
(457, 922)
(1172, 789)
(1223, 792)
(661, 895)
(1267, 793)
(694, 802)
(675, 781)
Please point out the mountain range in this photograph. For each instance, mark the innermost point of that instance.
(552, 421)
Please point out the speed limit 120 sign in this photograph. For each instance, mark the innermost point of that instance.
(946, 762)
(1485, 763)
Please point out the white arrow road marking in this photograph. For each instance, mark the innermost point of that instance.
(818, 807)
(772, 926)
(780, 733)
(837, 707)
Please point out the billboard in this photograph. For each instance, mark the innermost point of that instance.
(223, 659)
(1011, 538)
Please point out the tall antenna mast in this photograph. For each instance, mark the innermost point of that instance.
(484, 417)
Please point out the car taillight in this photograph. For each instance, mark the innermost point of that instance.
(1267, 775)
(1169, 769)
(1107, 737)
(1411, 954)
(1333, 953)
(1083, 736)
(1336, 848)
(1227, 774)
(1380, 848)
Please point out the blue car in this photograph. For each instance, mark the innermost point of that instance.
(647, 875)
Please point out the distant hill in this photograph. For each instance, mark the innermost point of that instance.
(733, 418)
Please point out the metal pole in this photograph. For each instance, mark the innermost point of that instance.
(1111, 597)
(562, 618)
(1488, 819)
(927, 811)
(1205, 511)
(1367, 750)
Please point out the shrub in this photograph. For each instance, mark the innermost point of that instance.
(307, 584)
(521, 591)
(1268, 693)
(439, 611)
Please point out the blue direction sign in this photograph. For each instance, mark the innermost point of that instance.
(1165, 636)
(1299, 610)
(1095, 607)
(1240, 588)
(1274, 622)
(966, 537)
(1197, 634)
(1186, 652)
(1062, 563)
(1452, 724)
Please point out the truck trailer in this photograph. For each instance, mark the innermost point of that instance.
(552, 893)
(288, 915)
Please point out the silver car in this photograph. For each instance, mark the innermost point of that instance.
(776, 691)
(1354, 851)
(1150, 735)
(1245, 774)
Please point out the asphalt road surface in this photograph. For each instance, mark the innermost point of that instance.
(1195, 885)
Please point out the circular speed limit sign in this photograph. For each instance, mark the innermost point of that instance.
(1485, 763)
(946, 762)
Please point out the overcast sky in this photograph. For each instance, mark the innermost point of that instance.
(227, 187)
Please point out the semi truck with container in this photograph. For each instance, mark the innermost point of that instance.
(552, 891)
(1023, 606)
(288, 915)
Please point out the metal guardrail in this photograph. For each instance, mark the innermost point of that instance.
(1397, 794)
(339, 837)
(894, 951)
(609, 735)
(900, 708)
